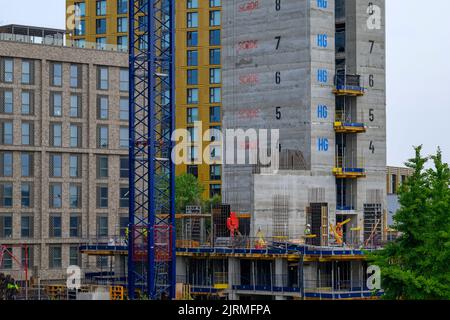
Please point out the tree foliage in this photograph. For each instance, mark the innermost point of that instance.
(188, 192)
(417, 264)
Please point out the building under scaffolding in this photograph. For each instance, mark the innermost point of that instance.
(222, 264)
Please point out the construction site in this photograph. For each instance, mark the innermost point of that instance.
(311, 73)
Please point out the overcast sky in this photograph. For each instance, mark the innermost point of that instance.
(418, 68)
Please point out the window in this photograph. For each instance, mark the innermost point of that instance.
(5, 227)
(74, 166)
(214, 114)
(214, 56)
(215, 133)
(100, 26)
(142, 23)
(214, 76)
(215, 95)
(192, 38)
(75, 196)
(192, 96)
(7, 133)
(215, 152)
(56, 135)
(214, 37)
(214, 18)
(124, 80)
(102, 167)
(27, 102)
(56, 74)
(102, 137)
(192, 115)
(122, 6)
(394, 183)
(214, 189)
(26, 226)
(192, 76)
(75, 136)
(54, 257)
(7, 66)
(75, 106)
(101, 43)
(102, 262)
(75, 226)
(192, 4)
(80, 9)
(102, 108)
(54, 226)
(124, 167)
(192, 169)
(6, 194)
(26, 161)
(6, 159)
(101, 8)
(75, 76)
(80, 28)
(80, 43)
(215, 172)
(27, 72)
(192, 58)
(7, 262)
(214, 3)
(192, 153)
(192, 19)
(55, 195)
(122, 43)
(74, 256)
(123, 225)
(25, 193)
(7, 101)
(193, 134)
(102, 196)
(102, 226)
(55, 165)
(124, 197)
(124, 109)
(27, 134)
(102, 81)
(123, 137)
(56, 104)
(122, 24)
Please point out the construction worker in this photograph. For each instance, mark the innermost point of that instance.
(127, 234)
(308, 230)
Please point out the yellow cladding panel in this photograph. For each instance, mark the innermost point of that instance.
(203, 67)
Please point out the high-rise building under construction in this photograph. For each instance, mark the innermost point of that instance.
(314, 70)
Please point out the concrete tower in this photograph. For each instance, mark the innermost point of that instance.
(315, 70)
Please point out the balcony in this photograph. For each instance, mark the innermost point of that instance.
(345, 169)
(349, 127)
(348, 85)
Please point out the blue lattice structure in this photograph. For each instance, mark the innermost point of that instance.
(151, 239)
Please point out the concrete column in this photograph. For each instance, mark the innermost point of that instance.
(181, 269)
(280, 273)
(234, 277)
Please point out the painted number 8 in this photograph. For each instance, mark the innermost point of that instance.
(277, 5)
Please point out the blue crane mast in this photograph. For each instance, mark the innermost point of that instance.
(151, 235)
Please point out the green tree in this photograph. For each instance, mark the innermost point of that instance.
(188, 192)
(416, 265)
